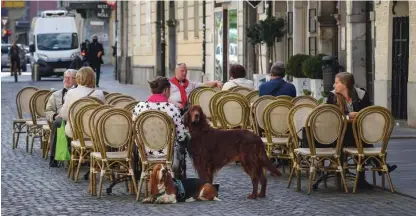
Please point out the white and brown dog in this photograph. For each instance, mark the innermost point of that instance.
(165, 189)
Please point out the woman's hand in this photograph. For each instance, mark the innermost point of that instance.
(352, 115)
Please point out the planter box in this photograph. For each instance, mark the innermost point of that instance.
(317, 86)
(300, 84)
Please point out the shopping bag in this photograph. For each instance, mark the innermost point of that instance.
(61, 152)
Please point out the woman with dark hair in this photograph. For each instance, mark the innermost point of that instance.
(351, 100)
(158, 100)
(238, 78)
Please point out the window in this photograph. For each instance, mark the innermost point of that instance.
(289, 47)
(312, 46)
(312, 21)
(196, 19)
(185, 20)
(57, 41)
(148, 22)
(290, 23)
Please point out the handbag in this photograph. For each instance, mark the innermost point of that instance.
(61, 151)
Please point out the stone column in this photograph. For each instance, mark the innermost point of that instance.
(411, 83)
(279, 7)
(356, 46)
(383, 54)
(298, 28)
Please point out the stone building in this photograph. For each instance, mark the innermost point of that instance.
(372, 40)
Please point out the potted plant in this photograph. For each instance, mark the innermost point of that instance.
(312, 68)
(294, 69)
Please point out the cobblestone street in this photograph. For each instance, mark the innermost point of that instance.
(30, 187)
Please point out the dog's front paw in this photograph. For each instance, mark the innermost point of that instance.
(149, 200)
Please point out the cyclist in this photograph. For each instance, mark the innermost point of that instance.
(14, 56)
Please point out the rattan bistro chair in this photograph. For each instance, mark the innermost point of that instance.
(296, 121)
(233, 111)
(213, 104)
(82, 147)
(115, 131)
(305, 99)
(372, 125)
(325, 124)
(36, 125)
(276, 128)
(153, 130)
(23, 109)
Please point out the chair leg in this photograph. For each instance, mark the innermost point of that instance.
(292, 172)
(311, 175)
(71, 162)
(390, 182)
(14, 145)
(139, 189)
(32, 143)
(100, 184)
(133, 177)
(344, 182)
(81, 157)
(357, 176)
(27, 140)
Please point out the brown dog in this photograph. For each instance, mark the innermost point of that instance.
(211, 149)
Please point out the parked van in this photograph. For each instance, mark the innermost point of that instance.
(54, 43)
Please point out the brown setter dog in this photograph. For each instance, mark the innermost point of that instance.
(211, 149)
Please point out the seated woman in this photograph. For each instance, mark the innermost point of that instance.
(238, 78)
(160, 88)
(86, 87)
(351, 100)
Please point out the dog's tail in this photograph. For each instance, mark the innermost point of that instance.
(268, 164)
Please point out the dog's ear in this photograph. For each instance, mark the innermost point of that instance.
(154, 181)
(170, 188)
(202, 116)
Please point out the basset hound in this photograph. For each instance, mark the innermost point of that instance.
(165, 189)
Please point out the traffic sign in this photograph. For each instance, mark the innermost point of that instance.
(254, 4)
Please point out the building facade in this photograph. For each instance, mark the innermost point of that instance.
(371, 39)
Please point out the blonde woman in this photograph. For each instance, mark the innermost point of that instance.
(86, 87)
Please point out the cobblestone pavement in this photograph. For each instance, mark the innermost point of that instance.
(29, 187)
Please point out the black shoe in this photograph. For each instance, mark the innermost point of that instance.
(363, 184)
(54, 163)
(389, 168)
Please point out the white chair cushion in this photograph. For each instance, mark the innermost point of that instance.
(110, 155)
(276, 140)
(39, 122)
(319, 151)
(367, 151)
(77, 143)
(45, 127)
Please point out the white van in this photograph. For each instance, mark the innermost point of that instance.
(54, 43)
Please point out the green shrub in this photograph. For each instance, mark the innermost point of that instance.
(307, 92)
(294, 65)
(312, 67)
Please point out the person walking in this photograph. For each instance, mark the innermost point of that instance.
(95, 53)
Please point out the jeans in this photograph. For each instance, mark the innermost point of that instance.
(179, 160)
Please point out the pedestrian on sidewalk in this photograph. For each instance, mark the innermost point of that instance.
(161, 88)
(181, 87)
(95, 53)
(54, 105)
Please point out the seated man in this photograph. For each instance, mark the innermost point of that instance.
(54, 105)
(160, 89)
(277, 85)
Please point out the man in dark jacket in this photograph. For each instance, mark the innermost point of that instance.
(95, 52)
(277, 85)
